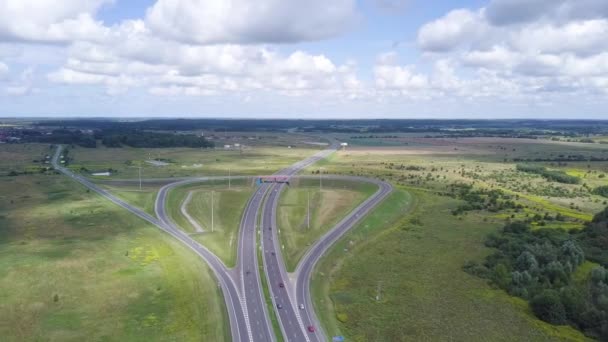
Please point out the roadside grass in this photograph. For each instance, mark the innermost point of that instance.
(143, 199)
(327, 207)
(398, 277)
(75, 267)
(229, 205)
(184, 162)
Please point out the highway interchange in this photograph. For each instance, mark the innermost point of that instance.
(242, 285)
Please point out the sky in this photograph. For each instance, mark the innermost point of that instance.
(293, 59)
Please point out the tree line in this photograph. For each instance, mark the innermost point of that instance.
(540, 266)
(556, 176)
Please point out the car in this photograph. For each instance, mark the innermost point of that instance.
(273, 253)
(279, 306)
(311, 328)
(301, 306)
(281, 285)
(269, 228)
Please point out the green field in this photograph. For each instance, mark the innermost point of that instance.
(75, 267)
(142, 199)
(184, 162)
(229, 205)
(413, 262)
(327, 207)
(400, 278)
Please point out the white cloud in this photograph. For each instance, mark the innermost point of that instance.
(457, 28)
(534, 45)
(168, 67)
(245, 21)
(49, 21)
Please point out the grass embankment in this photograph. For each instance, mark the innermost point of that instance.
(229, 205)
(398, 276)
(327, 207)
(75, 267)
(143, 199)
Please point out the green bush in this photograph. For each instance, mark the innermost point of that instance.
(601, 191)
(548, 307)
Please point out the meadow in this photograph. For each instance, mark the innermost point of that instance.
(184, 162)
(229, 204)
(75, 267)
(399, 275)
(328, 205)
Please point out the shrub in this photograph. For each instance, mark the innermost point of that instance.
(548, 307)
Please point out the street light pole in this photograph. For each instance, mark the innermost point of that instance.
(139, 176)
(308, 211)
(212, 210)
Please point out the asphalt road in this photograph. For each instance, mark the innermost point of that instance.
(296, 287)
(306, 266)
(231, 296)
(243, 294)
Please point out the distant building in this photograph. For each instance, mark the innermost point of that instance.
(227, 147)
(105, 174)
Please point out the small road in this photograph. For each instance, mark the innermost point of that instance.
(184, 211)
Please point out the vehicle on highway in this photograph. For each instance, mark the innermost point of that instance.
(279, 306)
(301, 306)
(311, 329)
(281, 285)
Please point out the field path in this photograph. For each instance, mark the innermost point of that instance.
(184, 210)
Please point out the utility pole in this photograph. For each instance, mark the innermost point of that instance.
(308, 211)
(212, 210)
(139, 176)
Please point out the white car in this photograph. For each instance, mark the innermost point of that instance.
(301, 306)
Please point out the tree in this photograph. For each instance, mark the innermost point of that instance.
(548, 307)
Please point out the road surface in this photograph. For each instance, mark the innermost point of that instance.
(241, 286)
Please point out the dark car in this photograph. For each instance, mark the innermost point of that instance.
(279, 306)
(281, 285)
(311, 328)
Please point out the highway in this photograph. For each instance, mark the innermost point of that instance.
(295, 321)
(241, 286)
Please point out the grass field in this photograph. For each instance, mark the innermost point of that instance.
(24, 157)
(185, 162)
(143, 199)
(399, 277)
(75, 267)
(327, 207)
(229, 205)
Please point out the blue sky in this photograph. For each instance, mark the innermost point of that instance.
(287, 58)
